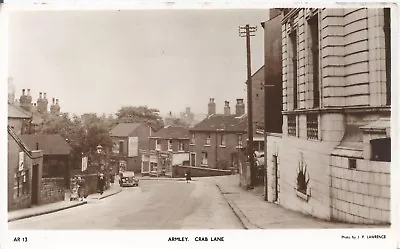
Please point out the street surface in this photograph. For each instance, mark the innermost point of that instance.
(155, 204)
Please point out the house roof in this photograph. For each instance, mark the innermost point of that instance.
(50, 144)
(17, 112)
(172, 132)
(221, 122)
(124, 129)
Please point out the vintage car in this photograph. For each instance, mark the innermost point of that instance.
(127, 178)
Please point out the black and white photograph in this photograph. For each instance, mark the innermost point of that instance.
(200, 118)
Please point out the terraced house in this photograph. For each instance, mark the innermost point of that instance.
(216, 140)
(333, 158)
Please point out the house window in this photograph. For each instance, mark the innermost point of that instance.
(313, 24)
(169, 144)
(204, 158)
(352, 163)
(158, 145)
(193, 140)
(181, 146)
(153, 166)
(293, 41)
(208, 139)
(121, 147)
(388, 50)
(223, 140)
(240, 141)
(312, 126)
(292, 125)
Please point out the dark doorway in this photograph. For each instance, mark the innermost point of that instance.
(35, 185)
(275, 163)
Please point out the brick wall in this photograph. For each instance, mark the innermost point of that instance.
(52, 190)
(216, 153)
(179, 171)
(360, 195)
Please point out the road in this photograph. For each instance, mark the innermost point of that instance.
(155, 204)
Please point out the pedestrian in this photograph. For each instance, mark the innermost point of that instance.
(188, 176)
(100, 183)
(81, 188)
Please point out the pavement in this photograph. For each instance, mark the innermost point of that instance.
(255, 213)
(162, 178)
(58, 206)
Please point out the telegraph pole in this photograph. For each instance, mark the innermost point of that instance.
(248, 31)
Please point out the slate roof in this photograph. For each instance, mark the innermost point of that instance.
(50, 144)
(124, 129)
(17, 112)
(221, 122)
(172, 132)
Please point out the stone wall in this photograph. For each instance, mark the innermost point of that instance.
(290, 153)
(360, 195)
(179, 171)
(52, 190)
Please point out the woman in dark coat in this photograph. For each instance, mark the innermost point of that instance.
(188, 176)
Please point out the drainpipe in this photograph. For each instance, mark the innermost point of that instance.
(216, 150)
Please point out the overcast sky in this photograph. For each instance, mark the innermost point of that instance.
(98, 61)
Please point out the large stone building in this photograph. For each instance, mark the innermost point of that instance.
(332, 159)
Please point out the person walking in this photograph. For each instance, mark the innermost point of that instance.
(100, 183)
(188, 176)
(81, 188)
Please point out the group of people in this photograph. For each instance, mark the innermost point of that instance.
(79, 190)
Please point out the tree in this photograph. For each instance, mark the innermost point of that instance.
(132, 114)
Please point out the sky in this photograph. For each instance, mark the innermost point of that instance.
(100, 60)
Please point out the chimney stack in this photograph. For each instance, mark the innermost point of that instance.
(240, 107)
(227, 109)
(211, 107)
(23, 92)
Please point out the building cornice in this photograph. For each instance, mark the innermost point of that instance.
(365, 109)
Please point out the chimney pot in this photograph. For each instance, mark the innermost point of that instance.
(54, 100)
(23, 91)
(29, 92)
(40, 95)
(57, 101)
(44, 95)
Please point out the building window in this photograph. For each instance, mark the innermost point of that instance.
(169, 144)
(388, 50)
(158, 145)
(193, 159)
(312, 126)
(204, 158)
(153, 166)
(181, 147)
(261, 145)
(352, 163)
(292, 125)
(293, 41)
(380, 150)
(240, 140)
(193, 140)
(208, 139)
(223, 140)
(313, 24)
